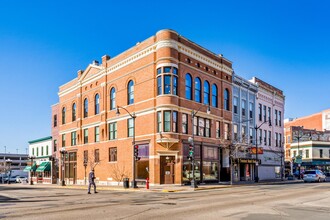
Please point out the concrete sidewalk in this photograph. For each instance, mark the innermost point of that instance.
(172, 188)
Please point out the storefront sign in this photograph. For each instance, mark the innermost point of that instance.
(254, 149)
(241, 160)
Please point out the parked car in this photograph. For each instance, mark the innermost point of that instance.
(296, 174)
(314, 176)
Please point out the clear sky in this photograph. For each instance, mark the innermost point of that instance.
(44, 43)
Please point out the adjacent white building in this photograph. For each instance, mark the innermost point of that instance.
(41, 160)
(269, 125)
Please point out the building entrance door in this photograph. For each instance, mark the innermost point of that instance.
(167, 170)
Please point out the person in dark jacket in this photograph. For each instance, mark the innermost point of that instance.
(91, 178)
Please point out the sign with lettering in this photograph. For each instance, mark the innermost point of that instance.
(254, 149)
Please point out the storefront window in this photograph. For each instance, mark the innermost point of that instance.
(142, 166)
(210, 170)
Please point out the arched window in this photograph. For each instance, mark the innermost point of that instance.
(130, 92)
(97, 104)
(226, 100)
(85, 108)
(206, 92)
(188, 87)
(198, 90)
(214, 95)
(63, 115)
(74, 112)
(112, 98)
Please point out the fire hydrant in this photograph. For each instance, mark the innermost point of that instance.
(147, 183)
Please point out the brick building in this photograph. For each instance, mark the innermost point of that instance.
(162, 81)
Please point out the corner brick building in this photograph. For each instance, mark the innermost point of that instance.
(160, 81)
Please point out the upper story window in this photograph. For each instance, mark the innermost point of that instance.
(251, 110)
(198, 90)
(265, 113)
(279, 118)
(269, 115)
(130, 92)
(63, 115)
(85, 108)
(74, 112)
(243, 107)
(214, 95)
(168, 121)
(321, 153)
(206, 92)
(97, 104)
(188, 86)
(112, 98)
(167, 80)
(55, 121)
(226, 100)
(275, 117)
(235, 103)
(184, 123)
(130, 127)
(97, 134)
(260, 112)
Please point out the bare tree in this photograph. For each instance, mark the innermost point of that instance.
(118, 173)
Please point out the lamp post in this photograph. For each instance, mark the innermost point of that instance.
(298, 137)
(32, 157)
(8, 162)
(85, 165)
(63, 152)
(133, 116)
(256, 175)
(193, 114)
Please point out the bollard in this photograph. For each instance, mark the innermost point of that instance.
(147, 183)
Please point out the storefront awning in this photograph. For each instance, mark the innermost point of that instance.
(28, 168)
(44, 166)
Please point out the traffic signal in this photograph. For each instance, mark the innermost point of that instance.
(191, 151)
(136, 152)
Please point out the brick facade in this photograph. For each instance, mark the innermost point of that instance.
(165, 156)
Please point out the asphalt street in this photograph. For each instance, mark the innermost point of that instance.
(284, 201)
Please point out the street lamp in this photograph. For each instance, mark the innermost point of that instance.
(298, 136)
(134, 158)
(8, 162)
(32, 157)
(256, 178)
(85, 165)
(192, 154)
(63, 152)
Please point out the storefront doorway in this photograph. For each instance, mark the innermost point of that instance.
(167, 170)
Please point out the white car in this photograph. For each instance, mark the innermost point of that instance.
(314, 176)
(22, 179)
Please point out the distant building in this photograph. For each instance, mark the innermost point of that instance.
(312, 146)
(16, 161)
(319, 121)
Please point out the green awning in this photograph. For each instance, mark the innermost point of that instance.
(44, 166)
(28, 168)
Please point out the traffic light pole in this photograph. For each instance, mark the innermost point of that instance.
(133, 116)
(192, 152)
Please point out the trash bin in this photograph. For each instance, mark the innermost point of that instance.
(126, 183)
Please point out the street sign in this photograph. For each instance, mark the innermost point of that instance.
(298, 159)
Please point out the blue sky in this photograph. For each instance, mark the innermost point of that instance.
(44, 43)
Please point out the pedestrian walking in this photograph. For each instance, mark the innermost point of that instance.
(91, 178)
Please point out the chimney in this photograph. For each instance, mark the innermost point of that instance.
(105, 58)
(95, 62)
(80, 72)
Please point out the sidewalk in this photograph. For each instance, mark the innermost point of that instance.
(174, 188)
